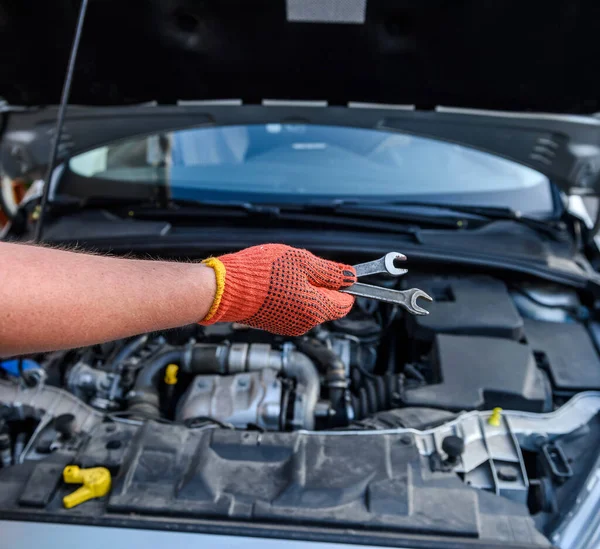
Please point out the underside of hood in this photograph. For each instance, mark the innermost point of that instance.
(512, 55)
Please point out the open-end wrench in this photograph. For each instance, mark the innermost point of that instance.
(405, 298)
(383, 265)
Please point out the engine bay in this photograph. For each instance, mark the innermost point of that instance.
(478, 420)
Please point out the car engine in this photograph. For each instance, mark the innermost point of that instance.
(492, 390)
(483, 346)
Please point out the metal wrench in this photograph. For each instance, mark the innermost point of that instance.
(382, 265)
(405, 298)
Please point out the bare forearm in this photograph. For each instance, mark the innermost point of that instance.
(53, 299)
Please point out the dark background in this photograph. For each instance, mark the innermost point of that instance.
(535, 55)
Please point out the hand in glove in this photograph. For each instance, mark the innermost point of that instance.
(278, 288)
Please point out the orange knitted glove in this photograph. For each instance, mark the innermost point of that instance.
(278, 288)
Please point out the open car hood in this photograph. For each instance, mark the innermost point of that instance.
(508, 57)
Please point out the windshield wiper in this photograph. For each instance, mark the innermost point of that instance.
(148, 206)
(552, 228)
(285, 212)
(186, 209)
(68, 204)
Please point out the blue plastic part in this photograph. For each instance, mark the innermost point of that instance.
(11, 367)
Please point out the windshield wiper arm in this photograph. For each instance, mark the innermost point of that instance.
(366, 210)
(291, 212)
(148, 208)
(67, 204)
(551, 228)
(245, 206)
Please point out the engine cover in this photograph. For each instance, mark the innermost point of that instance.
(240, 399)
(483, 372)
(473, 305)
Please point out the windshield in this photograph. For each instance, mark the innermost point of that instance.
(300, 163)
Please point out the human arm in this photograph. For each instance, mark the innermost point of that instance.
(55, 299)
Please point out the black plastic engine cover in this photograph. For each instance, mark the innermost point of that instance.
(351, 480)
(568, 352)
(473, 305)
(345, 482)
(481, 373)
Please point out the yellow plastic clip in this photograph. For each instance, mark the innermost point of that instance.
(35, 214)
(171, 374)
(96, 483)
(496, 417)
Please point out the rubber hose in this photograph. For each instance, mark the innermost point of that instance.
(149, 375)
(373, 394)
(335, 377)
(300, 367)
(223, 359)
(145, 397)
(127, 350)
(331, 363)
(209, 358)
(337, 398)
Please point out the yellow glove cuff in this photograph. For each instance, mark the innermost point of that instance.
(219, 269)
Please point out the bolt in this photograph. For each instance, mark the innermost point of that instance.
(406, 440)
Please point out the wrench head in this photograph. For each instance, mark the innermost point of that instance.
(390, 266)
(416, 294)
